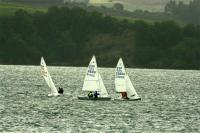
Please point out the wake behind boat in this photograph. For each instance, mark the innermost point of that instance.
(46, 75)
(123, 84)
(94, 83)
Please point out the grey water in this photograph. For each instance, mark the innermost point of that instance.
(170, 102)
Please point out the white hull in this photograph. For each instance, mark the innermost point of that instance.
(53, 95)
(130, 99)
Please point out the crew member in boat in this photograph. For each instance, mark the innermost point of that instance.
(124, 95)
(60, 90)
(90, 95)
(96, 94)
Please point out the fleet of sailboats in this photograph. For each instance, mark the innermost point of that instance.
(94, 83)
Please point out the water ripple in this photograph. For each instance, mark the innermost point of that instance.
(170, 102)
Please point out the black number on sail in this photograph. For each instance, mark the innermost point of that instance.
(44, 73)
(119, 73)
(91, 70)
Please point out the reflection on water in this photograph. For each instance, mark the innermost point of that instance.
(170, 102)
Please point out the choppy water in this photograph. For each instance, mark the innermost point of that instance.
(170, 102)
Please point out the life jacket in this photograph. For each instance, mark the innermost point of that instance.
(96, 94)
(90, 94)
(60, 90)
(124, 95)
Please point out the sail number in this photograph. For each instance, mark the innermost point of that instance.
(44, 73)
(91, 70)
(119, 73)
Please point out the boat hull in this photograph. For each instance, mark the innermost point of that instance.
(53, 95)
(98, 99)
(134, 99)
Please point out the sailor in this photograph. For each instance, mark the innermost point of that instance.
(96, 94)
(124, 95)
(90, 95)
(60, 90)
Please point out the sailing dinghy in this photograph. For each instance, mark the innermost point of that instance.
(123, 84)
(93, 82)
(47, 77)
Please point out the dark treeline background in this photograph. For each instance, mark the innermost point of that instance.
(70, 36)
(189, 13)
(177, 11)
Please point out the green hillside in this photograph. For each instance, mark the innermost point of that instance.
(70, 36)
(10, 8)
(132, 20)
(151, 5)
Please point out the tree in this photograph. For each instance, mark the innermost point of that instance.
(170, 7)
(187, 54)
(118, 6)
(184, 12)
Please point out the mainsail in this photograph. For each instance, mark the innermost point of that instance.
(47, 77)
(120, 77)
(91, 81)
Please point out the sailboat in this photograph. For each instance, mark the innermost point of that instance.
(123, 84)
(93, 82)
(48, 79)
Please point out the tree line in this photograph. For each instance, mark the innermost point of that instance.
(70, 36)
(177, 11)
(189, 13)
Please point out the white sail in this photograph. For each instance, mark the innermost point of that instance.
(47, 78)
(123, 82)
(103, 91)
(131, 92)
(120, 77)
(91, 81)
